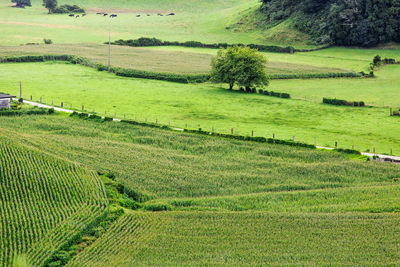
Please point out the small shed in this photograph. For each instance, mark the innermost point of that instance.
(5, 101)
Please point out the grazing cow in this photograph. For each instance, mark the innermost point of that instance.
(171, 14)
(138, 16)
(148, 15)
(83, 15)
(71, 15)
(160, 14)
(105, 14)
(113, 16)
(99, 13)
(77, 16)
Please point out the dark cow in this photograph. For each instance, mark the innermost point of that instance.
(113, 16)
(71, 15)
(105, 14)
(99, 13)
(83, 15)
(160, 14)
(77, 16)
(171, 14)
(148, 15)
(138, 16)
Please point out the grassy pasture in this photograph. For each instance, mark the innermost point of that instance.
(248, 238)
(212, 107)
(157, 60)
(194, 20)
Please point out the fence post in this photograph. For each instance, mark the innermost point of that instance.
(62, 104)
(315, 141)
(252, 133)
(212, 129)
(273, 136)
(294, 138)
(391, 152)
(40, 99)
(391, 112)
(374, 150)
(31, 98)
(83, 108)
(352, 147)
(336, 144)
(186, 125)
(231, 131)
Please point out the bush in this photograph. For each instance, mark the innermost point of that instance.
(339, 102)
(47, 41)
(63, 9)
(23, 112)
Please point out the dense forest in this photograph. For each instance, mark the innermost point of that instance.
(340, 22)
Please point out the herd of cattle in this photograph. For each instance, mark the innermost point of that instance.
(115, 15)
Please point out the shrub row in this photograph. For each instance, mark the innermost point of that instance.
(180, 78)
(348, 151)
(22, 112)
(339, 102)
(157, 42)
(90, 117)
(171, 77)
(265, 92)
(63, 9)
(316, 75)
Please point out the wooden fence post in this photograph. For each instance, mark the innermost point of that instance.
(273, 136)
(83, 108)
(31, 98)
(336, 144)
(294, 138)
(231, 131)
(391, 112)
(62, 104)
(252, 133)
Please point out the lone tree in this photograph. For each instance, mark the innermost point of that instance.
(50, 5)
(22, 3)
(241, 65)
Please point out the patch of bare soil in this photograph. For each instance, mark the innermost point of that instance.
(54, 26)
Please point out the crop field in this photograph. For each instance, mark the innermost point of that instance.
(213, 107)
(79, 191)
(202, 178)
(181, 61)
(44, 201)
(222, 238)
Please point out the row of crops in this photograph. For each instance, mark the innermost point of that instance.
(118, 246)
(44, 202)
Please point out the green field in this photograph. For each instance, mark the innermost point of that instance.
(202, 21)
(298, 205)
(44, 202)
(89, 192)
(213, 107)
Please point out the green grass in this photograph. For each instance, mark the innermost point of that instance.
(247, 238)
(195, 20)
(212, 107)
(44, 201)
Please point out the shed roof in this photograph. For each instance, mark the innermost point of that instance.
(3, 96)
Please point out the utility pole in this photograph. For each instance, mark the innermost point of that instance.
(109, 51)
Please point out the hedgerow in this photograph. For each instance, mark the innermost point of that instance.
(157, 42)
(339, 102)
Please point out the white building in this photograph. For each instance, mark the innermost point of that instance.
(5, 101)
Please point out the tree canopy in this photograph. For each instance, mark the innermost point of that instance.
(240, 65)
(50, 5)
(340, 22)
(22, 3)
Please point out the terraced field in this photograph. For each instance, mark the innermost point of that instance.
(44, 202)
